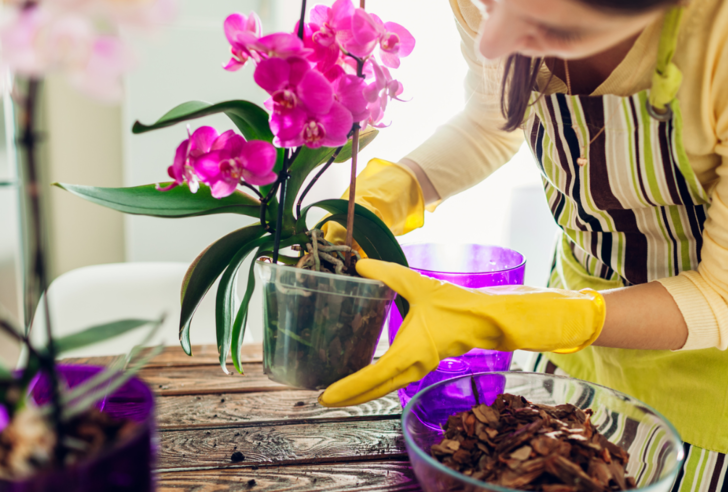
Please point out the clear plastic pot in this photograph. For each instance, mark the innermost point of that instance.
(319, 327)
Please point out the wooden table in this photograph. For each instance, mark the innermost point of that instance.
(289, 441)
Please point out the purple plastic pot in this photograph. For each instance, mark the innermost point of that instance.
(124, 467)
(468, 265)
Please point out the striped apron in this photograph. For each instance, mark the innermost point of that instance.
(632, 214)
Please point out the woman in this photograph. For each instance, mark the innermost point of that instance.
(624, 104)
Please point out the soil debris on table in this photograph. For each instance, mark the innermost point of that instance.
(521, 445)
(237, 457)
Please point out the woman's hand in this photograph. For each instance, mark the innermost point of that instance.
(392, 193)
(446, 321)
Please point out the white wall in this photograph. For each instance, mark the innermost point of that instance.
(10, 297)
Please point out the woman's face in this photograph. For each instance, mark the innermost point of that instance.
(567, 29)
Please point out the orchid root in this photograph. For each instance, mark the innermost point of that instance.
(323, 256)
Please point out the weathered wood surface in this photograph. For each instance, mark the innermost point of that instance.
(385, 476)
(205, 380)
(283, 443)
(189, 411)
(174, 356)
(289, 441)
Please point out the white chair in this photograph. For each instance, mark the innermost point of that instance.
(99, 294)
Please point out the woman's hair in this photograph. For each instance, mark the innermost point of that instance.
(521, 72)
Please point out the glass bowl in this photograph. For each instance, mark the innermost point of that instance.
(655, 448)
(468, 265)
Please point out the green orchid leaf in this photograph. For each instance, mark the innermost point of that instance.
(203, 272)
(251, 119)
(110, 380)
(370, 232)
(225, 298)
(88, 392)
(365, 138)
(241, 318)
(99, 333)
(175, 203)
(310, 159)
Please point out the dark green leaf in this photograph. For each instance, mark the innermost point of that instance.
(242, 317)
(225, 298)
(175, 203)
(251, 119)
(370, 232)
(99, 333)
(203, 272)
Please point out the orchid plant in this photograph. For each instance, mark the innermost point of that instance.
(80, 39)
(329, 83)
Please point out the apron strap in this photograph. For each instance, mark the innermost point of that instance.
(667, 77)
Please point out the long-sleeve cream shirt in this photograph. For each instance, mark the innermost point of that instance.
(474, 141)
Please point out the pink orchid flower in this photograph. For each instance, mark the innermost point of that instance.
(294, 86)
(282, 45)
(234, 159)
(38, 41)
(242, 33)
(297, 128)
(35, 41)
(349, 91)
(101, 75)
(379, 92)
(364, 34)
(330, 29)
(200, 142)
(368, 30)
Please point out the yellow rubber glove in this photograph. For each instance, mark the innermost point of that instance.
(392, 193)
(445, 320)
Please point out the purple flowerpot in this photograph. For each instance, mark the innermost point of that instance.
(467, 265)
(127, 466)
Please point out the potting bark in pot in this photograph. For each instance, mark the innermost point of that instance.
(329, 84)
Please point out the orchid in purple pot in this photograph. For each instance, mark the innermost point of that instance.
(329, 84)
(57, 431)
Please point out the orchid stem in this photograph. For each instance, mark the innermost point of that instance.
(362, 4)
(314, 180)
(303, 19)
(283, 178)
(352, 194)
(264, 205)
(352, 183)
(38, 282)
(252, 188)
